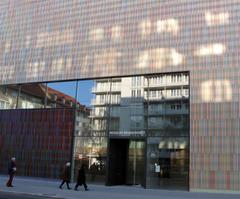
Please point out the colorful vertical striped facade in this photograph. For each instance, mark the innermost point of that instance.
(81, 39)
(41, 140)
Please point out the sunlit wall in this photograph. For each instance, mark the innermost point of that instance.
(75, 39)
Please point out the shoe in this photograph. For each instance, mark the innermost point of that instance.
(60, 187)
(86, 189)
(76, 189)
(69, 188)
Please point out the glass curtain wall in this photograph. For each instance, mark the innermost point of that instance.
(147, 119)
(168, 131)
(143, 121)
(91, 137)
(128, 127)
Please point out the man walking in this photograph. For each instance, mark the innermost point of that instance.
(66, 175)
(11, 171)
(81, 180)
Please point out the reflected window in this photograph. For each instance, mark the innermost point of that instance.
(136, 93)
(68, 63)
(176, 57)
(106, 58)
(136, 122)
(168, 25)
(145, 28)
(215, 19)
(144, 59)
(7, 47)
(46, 39)
(116, 33)
(216, 91)
(27, 41)
(57, 65)
(6, 73)
(97, 34)
(160, 57)
(210, 49)
(35, 69)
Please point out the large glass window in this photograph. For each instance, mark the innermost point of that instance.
(91, 151)
(168, 162)
(142, 121)
(168, 132)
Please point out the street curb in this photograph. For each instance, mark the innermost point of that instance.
(31, 194)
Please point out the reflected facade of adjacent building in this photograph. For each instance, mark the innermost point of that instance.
(144, 121)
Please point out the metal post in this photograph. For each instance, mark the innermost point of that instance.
(134, 162)
(146, 136)
(109, 108)
(76, 95)
(19, 95)
(108, 135)
(46, 92)
(74, 134)
(189, 127)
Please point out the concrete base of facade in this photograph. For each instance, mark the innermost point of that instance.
(214, 191)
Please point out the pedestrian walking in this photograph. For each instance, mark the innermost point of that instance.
(81, 179)
(66, 175)
(12, 168)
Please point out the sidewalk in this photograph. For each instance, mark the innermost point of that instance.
(49, 188)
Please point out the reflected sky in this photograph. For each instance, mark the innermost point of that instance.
(84, 90)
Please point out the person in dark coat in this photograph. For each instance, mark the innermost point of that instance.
(11, 171)
(81, 180)
(66, 175)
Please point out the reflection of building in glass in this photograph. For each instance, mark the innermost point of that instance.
(154, 106)
(210, 49)
(40, 138)
(96, 34)
(169, 25)
(216, 19)
(216, 91)
(34, 96)
(160, 57)
(132, 93)
(145, 28)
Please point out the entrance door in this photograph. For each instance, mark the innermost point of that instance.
(126, 162)
(118, 154)
(135, 167)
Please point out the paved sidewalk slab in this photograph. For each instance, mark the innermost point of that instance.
(49, 188)
(10, 195)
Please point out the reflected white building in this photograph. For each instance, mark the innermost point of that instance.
(126, 101)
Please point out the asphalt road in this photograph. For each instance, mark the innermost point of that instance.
(6, 195)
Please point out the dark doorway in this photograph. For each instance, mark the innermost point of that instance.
(118, 155)
(126, 162)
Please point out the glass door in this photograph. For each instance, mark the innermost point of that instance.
(135, 164)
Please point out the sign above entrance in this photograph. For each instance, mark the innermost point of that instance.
(127, 133)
